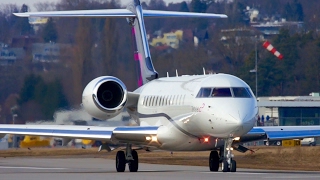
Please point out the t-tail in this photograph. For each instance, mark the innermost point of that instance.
(135, 15)
(142, 57)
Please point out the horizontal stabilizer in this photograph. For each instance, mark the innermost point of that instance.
(80, 13)
(117, 13)
(154, 13)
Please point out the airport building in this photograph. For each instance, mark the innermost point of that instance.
(290, 110)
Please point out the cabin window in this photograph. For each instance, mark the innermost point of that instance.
(153, 101)
(144, 101)
(148, 101)
(167, 101)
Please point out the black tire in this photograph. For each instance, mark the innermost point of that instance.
(120, 161)
(134, 164)
(233, 166)
(225, 166)
(214, 161)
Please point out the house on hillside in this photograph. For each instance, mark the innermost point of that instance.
(47, 52)
(37, 22)
(171, 39)
(270, 25)
(9, 56)
(24, 42)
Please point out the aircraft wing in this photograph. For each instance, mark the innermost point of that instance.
(132, 134)
(117, 13)
(281, 133)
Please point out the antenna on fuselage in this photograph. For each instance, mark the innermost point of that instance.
(167, 74)
(204, 71)
(177, 73)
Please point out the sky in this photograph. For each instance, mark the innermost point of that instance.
(31, 2)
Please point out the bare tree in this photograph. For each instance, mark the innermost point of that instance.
(45, 6)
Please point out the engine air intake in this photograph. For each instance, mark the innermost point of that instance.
(110, 94)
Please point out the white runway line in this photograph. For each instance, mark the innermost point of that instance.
(37, 168)
(294, 177)
(244, 173)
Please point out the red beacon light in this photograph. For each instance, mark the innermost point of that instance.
(206, 140)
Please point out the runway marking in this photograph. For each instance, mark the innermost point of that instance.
(37, 168)
(245, 173)
(292, 177)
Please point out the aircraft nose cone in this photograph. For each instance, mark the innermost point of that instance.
(242, 119)
(238, 118)
(234, 117)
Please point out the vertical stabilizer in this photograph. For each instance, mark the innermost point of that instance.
(146, 71)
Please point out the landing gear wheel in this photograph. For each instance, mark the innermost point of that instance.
(233, 166)
(120, 161)
(134, 164)
(225, 166)
(214, 161)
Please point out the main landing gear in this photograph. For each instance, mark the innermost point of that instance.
(130, 157)
(225, 158)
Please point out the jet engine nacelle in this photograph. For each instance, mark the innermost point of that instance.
(104, 97)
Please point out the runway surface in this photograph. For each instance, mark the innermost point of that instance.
(102, 169)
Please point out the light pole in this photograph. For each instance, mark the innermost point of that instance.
(255, 70)
(13, 117)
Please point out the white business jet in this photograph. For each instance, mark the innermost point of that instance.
(213, 112)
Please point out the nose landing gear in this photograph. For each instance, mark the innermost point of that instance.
(225, 158)
(228, 164)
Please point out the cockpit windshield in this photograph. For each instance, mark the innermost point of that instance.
(237, 92)
(204, 92)
(221, 92)
(241, 92)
